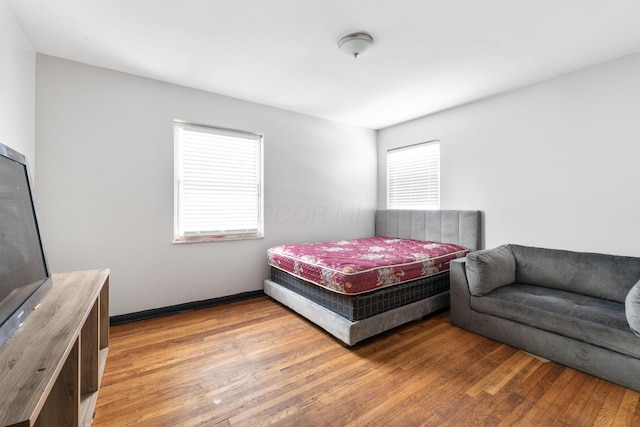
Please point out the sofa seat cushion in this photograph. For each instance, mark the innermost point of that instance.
(592, 320)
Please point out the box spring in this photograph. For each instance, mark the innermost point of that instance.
(362, 306)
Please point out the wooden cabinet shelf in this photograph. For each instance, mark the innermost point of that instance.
(50, 368)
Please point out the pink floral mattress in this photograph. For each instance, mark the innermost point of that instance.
(362, 265)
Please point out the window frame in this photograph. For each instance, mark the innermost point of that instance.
(215, 235)
(426, 205)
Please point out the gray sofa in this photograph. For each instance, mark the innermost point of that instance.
(578, 309)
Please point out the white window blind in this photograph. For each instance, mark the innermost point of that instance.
(413, 177)
(218, 183)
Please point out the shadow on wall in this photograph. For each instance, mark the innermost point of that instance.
(317, 215)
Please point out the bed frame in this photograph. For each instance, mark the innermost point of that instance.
(446, 226)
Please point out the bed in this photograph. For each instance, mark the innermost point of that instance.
(339, 287)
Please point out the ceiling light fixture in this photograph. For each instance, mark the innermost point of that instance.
(355, 44)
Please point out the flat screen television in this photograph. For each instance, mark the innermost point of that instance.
(24, 274)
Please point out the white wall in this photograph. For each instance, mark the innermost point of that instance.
(555, 164)
(17, 86)
(105, 181)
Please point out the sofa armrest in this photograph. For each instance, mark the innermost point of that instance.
(490, 269)
(632, 308)
(460, 297)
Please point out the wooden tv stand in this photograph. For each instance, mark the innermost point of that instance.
(50, 368)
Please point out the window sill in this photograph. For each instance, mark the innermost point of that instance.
(207, 239)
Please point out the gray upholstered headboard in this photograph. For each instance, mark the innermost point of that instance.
(446, 226)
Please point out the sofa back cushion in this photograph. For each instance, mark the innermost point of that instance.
(598, 275)
(490, 269)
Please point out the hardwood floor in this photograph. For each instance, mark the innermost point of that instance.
(257, 363)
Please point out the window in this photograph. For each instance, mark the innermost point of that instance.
(218, 184)
(413, 177)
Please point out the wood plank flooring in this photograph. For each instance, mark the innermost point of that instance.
(257, 363)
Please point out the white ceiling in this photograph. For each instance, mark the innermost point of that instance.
(428, 55)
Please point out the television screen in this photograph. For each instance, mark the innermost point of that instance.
(23, 268)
